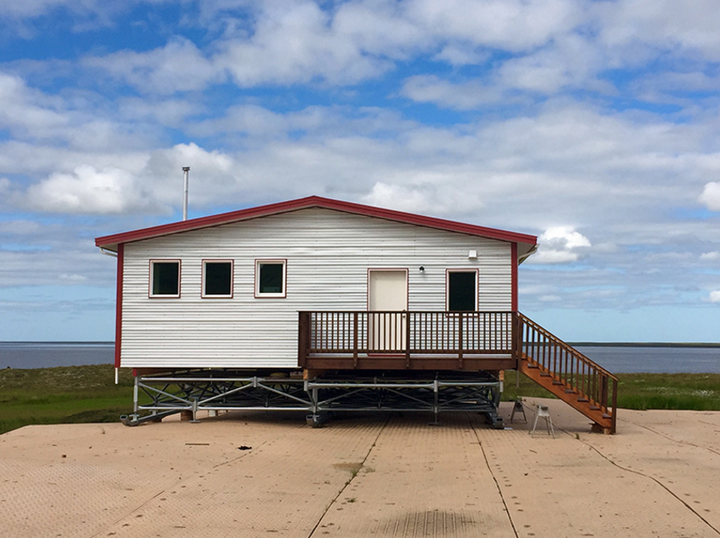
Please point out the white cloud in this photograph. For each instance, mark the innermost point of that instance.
(711, 196)
(559, 245)
(715, 296)
(19, 227)
(549, 298)
(27, 111)
(685, 27)
(178, 66)
(553, 257)
(88, 191)
(297, 41)
(514, 25)
(465, 96)
(563, 236)
(424, 198)
(710, 256)
(568, 62)
(296, 44)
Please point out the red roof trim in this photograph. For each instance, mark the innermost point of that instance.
(310, 202)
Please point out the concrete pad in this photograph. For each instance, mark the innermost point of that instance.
(384, 475)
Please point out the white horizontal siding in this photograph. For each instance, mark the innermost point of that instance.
(328, 255)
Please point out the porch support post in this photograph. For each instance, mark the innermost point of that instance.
(303, 337)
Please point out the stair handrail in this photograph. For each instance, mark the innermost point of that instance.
(566, 346)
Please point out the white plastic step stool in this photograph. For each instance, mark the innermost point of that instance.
(544, 412)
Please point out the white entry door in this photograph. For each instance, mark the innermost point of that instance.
(387, 306)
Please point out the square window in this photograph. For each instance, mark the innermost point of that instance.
(165, 278)
(462, 291)
(270, 278)
(217, 278)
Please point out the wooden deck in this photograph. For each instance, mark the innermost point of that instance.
(468, 341)
(364, 340)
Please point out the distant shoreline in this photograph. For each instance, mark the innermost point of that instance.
(585, 344)
(60, 343)
(646, 344)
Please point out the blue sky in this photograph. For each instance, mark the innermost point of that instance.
(592, 124)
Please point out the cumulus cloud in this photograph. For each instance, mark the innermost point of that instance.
(178, 66)
(560, 244)
(26, 111)
(710, 256)
(153, 184)
(710, 196)
(427, 198)
(88, 191)
(715, 296)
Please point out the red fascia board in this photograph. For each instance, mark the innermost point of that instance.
(310, 202)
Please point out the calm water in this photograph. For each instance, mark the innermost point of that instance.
(655, 360)
(48, 354)
(617, 359)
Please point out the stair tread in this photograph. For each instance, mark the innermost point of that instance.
(594, 408)
(582, 400)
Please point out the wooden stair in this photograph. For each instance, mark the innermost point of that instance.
(567, 373)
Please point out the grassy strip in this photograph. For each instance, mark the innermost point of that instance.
(695, 392)
(89, 394)
(63, 395)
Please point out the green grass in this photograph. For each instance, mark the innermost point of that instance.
(63, 395)
(89, 394)
(696, 392)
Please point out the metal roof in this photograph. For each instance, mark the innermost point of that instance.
(110, 242)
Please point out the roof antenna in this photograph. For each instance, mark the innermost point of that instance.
(186, 174)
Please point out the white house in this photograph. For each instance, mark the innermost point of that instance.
(321, 284)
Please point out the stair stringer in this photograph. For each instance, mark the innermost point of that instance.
(564, 392)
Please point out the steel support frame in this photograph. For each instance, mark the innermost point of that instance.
(196, 392)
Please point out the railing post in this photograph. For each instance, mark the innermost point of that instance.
(406, 317)
(613, 420)
(355, 339)
(515, 339)
(460, 341)
(604, 391)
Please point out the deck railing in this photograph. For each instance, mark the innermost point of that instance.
(567, 366)
(410, 333)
